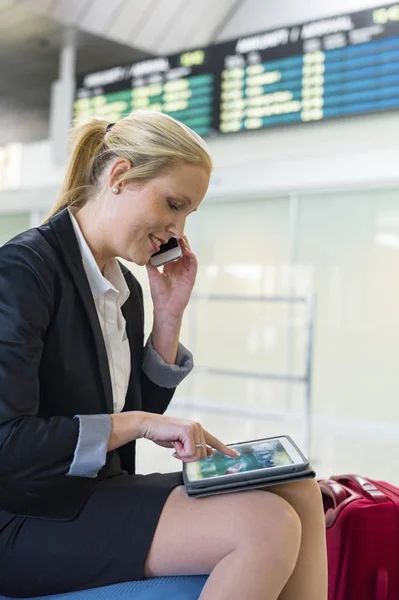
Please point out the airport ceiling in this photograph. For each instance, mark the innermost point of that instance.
(29, 56)
(109, 32)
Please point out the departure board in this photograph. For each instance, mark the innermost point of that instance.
(181, 86)
(335, 67)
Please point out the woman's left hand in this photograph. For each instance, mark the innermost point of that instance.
(171, 289)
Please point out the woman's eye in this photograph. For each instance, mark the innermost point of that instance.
(172, 205)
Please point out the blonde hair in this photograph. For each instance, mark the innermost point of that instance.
(153, 143)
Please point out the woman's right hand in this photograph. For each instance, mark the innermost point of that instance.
(189, 439)
(182, 435)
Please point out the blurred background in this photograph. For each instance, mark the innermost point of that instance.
(294, 323)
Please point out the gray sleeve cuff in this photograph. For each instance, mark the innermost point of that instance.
(162, 374)
(91, 449)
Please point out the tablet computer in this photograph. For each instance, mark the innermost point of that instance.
(276, 457)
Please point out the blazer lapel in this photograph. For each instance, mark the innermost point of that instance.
(62, 226)
(133, 394)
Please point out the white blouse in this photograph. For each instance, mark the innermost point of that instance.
(110, 292)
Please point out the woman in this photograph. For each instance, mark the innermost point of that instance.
(77, 389)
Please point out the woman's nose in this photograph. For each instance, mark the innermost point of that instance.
(178, 228)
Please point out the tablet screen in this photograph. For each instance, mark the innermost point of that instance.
(260, 454)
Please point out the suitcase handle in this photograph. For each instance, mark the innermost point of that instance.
(365, 486)
(341, 497)
(334, 490)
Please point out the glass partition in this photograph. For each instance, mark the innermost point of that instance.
(11, 224)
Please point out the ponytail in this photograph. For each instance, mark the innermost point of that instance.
(87, 140)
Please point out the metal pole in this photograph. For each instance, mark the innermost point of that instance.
(234, 298)
(308, 375)
(293, 257)
(195, 239)
(62, 95)
(250, 374)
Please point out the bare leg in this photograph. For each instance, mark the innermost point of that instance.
(309, 579)
(248, 542)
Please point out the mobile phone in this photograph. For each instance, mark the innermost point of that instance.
(258, 458)
(167, 253)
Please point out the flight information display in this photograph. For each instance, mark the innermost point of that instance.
(339, 66)
(182, 86)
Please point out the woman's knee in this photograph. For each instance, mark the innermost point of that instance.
(272, 524)
(310, 490)
(304, 496)
(307, 490)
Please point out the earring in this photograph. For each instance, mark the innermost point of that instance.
(115, 190)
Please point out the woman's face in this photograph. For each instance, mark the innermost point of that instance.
(156, 209)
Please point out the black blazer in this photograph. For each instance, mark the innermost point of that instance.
(53, 365)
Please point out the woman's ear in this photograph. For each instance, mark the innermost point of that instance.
(119, 168)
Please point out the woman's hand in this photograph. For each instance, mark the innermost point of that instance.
(171, 289)
(184, 436)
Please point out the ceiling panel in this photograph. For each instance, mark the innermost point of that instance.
(205, 29)
(129, 18)
(253, 16)
(154, 28)
(99, 14)
(159, 26)
(181, 30)
(174, 24)
(70, 12)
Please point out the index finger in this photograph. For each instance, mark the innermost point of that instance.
(185, 238)
(218, 445)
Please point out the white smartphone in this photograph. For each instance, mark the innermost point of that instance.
(167, 253)
(258, 458)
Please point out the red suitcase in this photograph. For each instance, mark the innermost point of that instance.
(362, 520)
